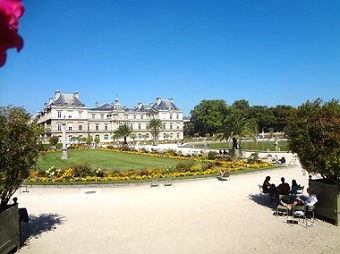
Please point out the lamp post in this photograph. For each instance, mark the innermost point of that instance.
(64, 155)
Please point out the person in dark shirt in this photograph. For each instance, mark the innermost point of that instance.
(268, 187)
(283, 188)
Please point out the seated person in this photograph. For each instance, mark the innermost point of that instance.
(268, 187)
(282, 160)
(294, 187)
(310, 201)
(283, 188)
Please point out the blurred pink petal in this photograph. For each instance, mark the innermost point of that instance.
(10, 13)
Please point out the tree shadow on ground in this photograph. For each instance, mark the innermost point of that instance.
(263, 200)
(38, 225)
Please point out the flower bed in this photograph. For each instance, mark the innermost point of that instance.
(199, 167)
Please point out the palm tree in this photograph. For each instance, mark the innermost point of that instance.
(123, 131)
(155, 125)
(236, 127)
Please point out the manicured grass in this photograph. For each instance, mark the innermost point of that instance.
(110, 160)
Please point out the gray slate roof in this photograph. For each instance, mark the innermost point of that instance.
(164, 105)
(67, 100)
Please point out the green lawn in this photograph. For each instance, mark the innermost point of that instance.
(109, 160)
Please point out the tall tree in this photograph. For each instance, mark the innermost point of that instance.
(155, 125)
(19, 148)
(240, 104)
(124, 131)
(264, 117)
(283, 115)
(314, 134)
(207, 117)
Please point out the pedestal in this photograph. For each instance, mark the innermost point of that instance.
(64, 155)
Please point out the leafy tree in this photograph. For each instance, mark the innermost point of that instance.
(144, 137)
(264, 117)
(133, 136)
(282, 115)
(314, 134)
(155, 125)
(97, 140)
(207, 117)
(188, 129)
(19, 148)
(240, 104)
(54, 140)
(89, 140)
(124, 131)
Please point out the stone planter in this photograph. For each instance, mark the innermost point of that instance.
(328, 205)
(9, 230)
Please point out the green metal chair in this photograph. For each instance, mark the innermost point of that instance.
(281, 208)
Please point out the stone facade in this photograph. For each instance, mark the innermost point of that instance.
(103, 120)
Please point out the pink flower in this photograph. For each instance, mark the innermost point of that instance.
(10, 13)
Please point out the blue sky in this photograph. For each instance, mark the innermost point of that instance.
(268, 52)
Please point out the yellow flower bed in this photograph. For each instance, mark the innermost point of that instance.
(201, 167)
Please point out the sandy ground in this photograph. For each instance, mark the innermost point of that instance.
(197, 216)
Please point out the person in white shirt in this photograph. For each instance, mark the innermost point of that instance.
(310, 201)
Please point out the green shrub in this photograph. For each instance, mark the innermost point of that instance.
(212, 155)
(82, 170)
(253, 158)
(184, 166)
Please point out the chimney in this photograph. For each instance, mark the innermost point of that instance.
(171, 100)
(57, 94)
(140, 105)
(76, 94)
(158, 99)
(50, 100)
(97, 104)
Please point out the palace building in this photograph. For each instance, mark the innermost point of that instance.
(67, 111)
